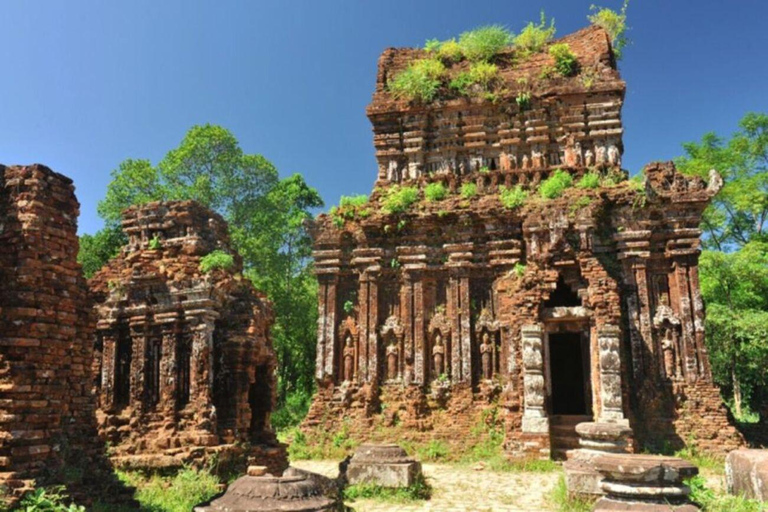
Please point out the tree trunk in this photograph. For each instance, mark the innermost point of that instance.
(736, 391)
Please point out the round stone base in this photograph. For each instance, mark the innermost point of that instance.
(612, 505)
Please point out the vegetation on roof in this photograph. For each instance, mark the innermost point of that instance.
(565, 61)
(420, 81)
(533, 37)
(484, 43)
(614, 23)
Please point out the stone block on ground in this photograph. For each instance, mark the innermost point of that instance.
(746, 473)
(386, 465)
(595, 439)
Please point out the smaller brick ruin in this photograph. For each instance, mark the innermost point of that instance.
(46, 326)
(185, 359)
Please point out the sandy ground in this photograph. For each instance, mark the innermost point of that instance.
(462, 489)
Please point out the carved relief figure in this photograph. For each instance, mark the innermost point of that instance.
(614, 159)
(538, 158)
(486, 355)
(349, 358)
(504, 161)
(392, 360)
(600, 155)
(438, 355)
(569, 152)
(589, 158)
(526, 162)
(668, 347)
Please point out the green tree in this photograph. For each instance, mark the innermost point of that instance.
(739, 213)
(267, 225)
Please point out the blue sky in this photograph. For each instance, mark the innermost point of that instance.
(86, 84)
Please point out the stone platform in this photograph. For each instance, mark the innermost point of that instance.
(595, 439)
(746, 473)
(644, 483)
(386, 465)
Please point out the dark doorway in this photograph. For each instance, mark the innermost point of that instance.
(123, 372)
(568, 373)
(260, 399)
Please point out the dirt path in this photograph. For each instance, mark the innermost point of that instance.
(462, 489)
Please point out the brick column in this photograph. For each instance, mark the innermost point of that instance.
(138, 371)
(201, 371)
(326, 326)
(535, 418)
(168, 371)
(109, 362)
(368, 323)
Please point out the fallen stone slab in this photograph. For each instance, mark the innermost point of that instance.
(387, 465)
(746, 473)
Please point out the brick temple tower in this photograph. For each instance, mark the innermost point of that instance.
(583, 307)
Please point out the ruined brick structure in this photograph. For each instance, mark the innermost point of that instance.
(46, 326)
(185, 359)
(581, 308)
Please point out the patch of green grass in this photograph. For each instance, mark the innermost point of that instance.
(447, 51)
(433, 451)
(398, 199)
(468, 190)
(216, 260)
(435, 191)
(350, 208)
(712, 501)
(178, 493)
(710, 461)
(419, 81)
(565, 61)
(484, 43)
(533, 37)
(481, 77)
(523, 100)
(48, 499)
(589, 180)
(512, 198)
(420, 490)
(322, 444)
(555, 185)
(564, 502)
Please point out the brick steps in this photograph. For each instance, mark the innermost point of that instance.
(563, 436)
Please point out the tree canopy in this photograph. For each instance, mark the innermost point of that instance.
(266, 216)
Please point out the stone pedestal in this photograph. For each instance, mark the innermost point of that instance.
(746, 473)
(386, 465)
(595, 439)
(295, 491)
(644, 483)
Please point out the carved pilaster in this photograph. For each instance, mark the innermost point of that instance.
(534, 416)
(109, 363)
(326, 326)
(201, 371)
(608, 342)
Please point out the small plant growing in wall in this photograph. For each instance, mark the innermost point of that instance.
(555, 185)
(419, 81)
(533, 37)
(589, 180)
(435, 192)
(519, 269)
(523, 100)
(484, 43)
(512, 198)
(398, 199)
(614, 23)
(565, 61)
(215, 260)
(349, 307)
(155, 244)
(394, 263)
(468, 190)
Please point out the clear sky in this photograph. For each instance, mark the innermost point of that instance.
(86, 84)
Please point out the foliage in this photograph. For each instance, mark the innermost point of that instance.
(481, 76)
(739, 213)
(512, 197)
(435, 191)
(565, 60)
(398, 199)
(533, 37)
(589, 180)
(419, 490)
(419, 81)
(266, 217)
(468, 190)
(579, 204)
(325, 444)
(433, 451)
(555, 185)
(462, 83)
(484, 43)
(350, 208)
(292, 410)
(155, 244)
(523, 100)
(447, 51)
(614, 23)
(48, 499)
(97, 249)
(563, 501)
(216, 260)
(712, 501)
(519, 269)
(179, 493)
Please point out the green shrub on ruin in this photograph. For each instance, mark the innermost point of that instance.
(565, 61)
(155, 244)
(419, 490)
(184, 490)
(589, 180)
(468, 190)
(482, 74)
(533, 37)
(435, 191)
(398, 199)
(512, 198)
(523, 100)
(555, 185)
(614, 23)
(350, 208)
(49, 499)
(484, 43)
(216, 260)
(420, 81)
(447, 51)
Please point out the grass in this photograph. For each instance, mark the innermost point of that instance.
(178, 493)
(565, 61)
(579, 204)
(712, 501)
(555, 185)
(589, 180)
(420, 490)
(435, 192)
(484, 43)
(49, 499)
(325, 444)
(420, 81)
(482, 76)
(350, 208)
(215, 260)
(564, 502)
(533, 37)
(512, 198)
(468, 190)
(398, 199)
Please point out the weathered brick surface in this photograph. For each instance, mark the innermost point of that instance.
(46, 327)
(452, 305)
(185, 359)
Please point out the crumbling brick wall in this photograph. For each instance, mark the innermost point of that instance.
(46, 334)
(185, 358)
